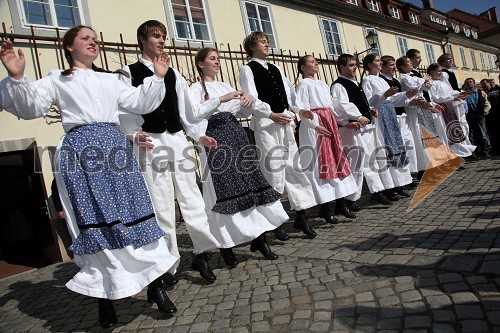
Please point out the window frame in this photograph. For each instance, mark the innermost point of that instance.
(481, 59)
(463, 58)
(394, 10)
(431, 57)
(352, 2)
(323, 35)
(171, 25)
(374, 4)
(401, 38)
(271, 20)
(473, 59)
(413, 15)
(21, 26)
(490, 62)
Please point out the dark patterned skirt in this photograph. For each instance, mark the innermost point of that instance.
(234, 167)
(108, 194)
(391, 132)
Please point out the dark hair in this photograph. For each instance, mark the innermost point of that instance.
(401, 62)
(385, 59)
(470, 78)
(201, 55)
(147, 26)
(251, 40)
(367, 60)
(432, 68)
(343, 59)
(442, 58)
(412, 53)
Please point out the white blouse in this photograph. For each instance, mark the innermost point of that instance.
(314, 94)
(442, 92)
(375, 88)
(410, 82)
(84, 97)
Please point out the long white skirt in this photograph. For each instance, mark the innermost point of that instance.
(325, 190)
(114, 274)
(235, 229)
(462, 149)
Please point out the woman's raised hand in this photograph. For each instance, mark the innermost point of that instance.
(161, 64)
(13, 64)
(237, 94)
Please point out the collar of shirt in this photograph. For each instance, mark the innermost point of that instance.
(387, 76)
(147, 63)
(260, 61)
(353, 79)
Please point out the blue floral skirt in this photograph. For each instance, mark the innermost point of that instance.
(108, 194)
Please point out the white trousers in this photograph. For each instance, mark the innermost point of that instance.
(178, 180)
(280, 163)
(409, 142)
(360, 148)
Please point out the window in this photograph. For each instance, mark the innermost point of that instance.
(490, 62)
(402, 45)
(483, 64)
(413, 18)
(462, 56)
(52, 13)
(429, 50)
(473, 58)
(331, 37)
(259, 19)
(449, 50)
(394, 12)
(354, 2)
(190, 20)
(373, 5)
(376, 49)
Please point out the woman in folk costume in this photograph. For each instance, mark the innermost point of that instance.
(117, 242)
(322, 156)
(240, 204)
(384, 98)
(449, 125)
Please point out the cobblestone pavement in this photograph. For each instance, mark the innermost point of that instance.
(434, 269)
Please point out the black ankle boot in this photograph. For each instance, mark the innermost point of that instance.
(326, 214)
(107, 315)
(391, 195)
(229, 257)
(342, 209)
(169, 279)
(352, 205)
(281, 234)
(301, 223)
(401, 192)
(260, 244)
(159, 296)
(200, 263)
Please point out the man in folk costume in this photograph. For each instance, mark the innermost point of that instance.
(165, 155)
(446, 62)
(416, 59)
(387, 74)
(359, 143)
(274, 135)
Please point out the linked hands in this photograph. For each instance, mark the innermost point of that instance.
(13, 64)
(280, 118)
(246, 99)
(144, 141)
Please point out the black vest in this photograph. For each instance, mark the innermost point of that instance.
(269, 86)
(166, 116)
(393, 82)
(426, 93)
(356, 96)
(452, 79)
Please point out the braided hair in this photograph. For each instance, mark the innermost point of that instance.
(200, 56)
(302, 61)
(367, 61)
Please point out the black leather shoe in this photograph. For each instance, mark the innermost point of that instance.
(200, 263)
(342, 209)
(380, 198)
(281, 234)
(391, 195)
(229, 257)
(260, 244)
(107, 315)
(352, 205)
(303, 225)
(159, 296)
(401, 192)
(169, 279)
(326, 214)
